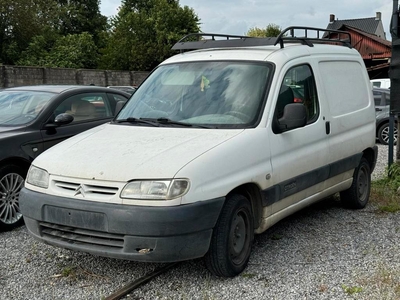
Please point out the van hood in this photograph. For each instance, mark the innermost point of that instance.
(123, 152)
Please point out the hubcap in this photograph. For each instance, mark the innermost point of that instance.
(385, 134)
(10, 187)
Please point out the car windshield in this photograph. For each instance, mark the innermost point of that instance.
(200, 94)
(21, 107)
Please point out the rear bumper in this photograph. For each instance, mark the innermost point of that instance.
(153, 234)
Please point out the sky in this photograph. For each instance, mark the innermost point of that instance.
(238, 16)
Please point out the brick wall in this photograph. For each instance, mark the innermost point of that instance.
(18, 76)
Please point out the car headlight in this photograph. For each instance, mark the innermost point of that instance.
(38, 177)
(155, 189)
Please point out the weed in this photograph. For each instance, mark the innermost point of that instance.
(68, 272)
(384, 192)
(351, 289)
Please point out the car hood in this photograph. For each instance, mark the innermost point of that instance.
(123, 152)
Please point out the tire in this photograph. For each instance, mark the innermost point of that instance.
(357, 196)
(232, 238)
(12, 180)
(383, 134)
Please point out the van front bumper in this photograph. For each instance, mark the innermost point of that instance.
(140, 233)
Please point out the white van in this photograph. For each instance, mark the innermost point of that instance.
(383, 83)
(216, 145)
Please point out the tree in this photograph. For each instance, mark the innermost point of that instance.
(32, 30)
(78, 16)
(144, 31)
(20, 21)
(70, 51)
(272, 30)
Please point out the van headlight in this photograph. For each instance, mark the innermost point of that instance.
(38, 177)
(155, 189)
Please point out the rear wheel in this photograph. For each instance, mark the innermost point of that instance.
(11, 182)
(357, 195)
(232, 238)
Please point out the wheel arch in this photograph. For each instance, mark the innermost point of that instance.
(380, 124)
(252, 192)
(17, 161)
(370, 155)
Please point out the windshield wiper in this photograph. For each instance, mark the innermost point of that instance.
(172, 122)
(139, 121)
(158, 122)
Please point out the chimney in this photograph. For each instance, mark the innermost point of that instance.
(331, 18)
(378, 16)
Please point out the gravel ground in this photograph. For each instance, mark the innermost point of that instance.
(322, 252)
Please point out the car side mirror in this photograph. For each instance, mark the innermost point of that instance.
(294, 116)
(61, 119)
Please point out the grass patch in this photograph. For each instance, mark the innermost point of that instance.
(385, 192)
(68, 272)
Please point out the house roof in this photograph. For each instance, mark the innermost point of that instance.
(370, 25)
(371, 36)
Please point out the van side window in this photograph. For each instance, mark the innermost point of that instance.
(299, 87)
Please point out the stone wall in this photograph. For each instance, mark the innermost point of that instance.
(18, 76)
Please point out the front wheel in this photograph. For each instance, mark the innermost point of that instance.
(11, 182)
(357, 195)
(232, 238)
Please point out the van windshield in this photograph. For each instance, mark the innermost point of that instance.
(220, 94)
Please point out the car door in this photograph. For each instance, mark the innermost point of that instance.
(298, 156)
(89, 109)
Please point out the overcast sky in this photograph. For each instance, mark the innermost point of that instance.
(238, 16)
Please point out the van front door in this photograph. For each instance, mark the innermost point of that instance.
(298, 156)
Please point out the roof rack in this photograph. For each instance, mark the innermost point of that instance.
(195, 41)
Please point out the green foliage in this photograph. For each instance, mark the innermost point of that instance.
(33, 31)
(78, 16)
(351, 289)
(272, 30)
(385, 192)
(20, 21)
(70, 51)
(144, 31)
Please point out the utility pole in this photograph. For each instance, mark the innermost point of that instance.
(394, 74)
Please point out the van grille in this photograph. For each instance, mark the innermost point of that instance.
(91, 238)
(72, 188)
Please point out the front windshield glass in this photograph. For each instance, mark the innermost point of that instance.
(21, 107)
(223, 94)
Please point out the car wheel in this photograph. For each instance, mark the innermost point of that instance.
(357, 195)
(383, 134)
(232, 238)
(11, 182)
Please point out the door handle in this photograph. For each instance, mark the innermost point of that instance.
(327, 127)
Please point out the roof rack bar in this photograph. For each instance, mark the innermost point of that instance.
(199, 40)
(288, 35)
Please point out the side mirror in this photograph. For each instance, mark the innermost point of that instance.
(61, 119)
(294, 116)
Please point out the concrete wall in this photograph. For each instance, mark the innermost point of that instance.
(17, 76)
